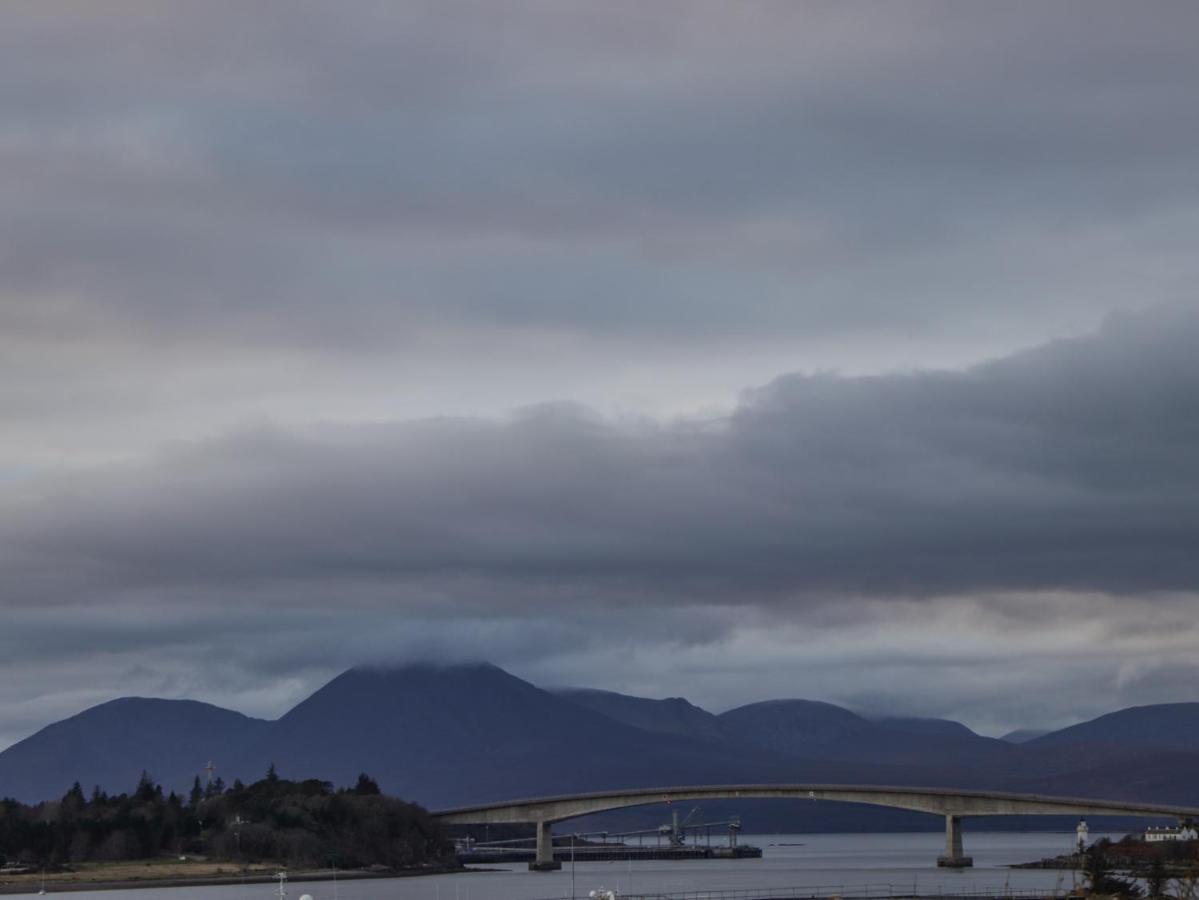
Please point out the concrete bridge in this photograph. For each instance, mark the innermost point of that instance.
(953, 804)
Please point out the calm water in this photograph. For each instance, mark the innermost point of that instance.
(833, 860)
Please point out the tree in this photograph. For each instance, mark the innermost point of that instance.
(197, 793)
(298, 822)
(366, 785)
(1095, 865)
(147, 790)
(1155, 879)
(1097, 869)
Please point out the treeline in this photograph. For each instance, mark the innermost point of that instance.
(1134, 852)
(1134, 868)
(296, 823)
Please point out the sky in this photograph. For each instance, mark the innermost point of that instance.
(837, 350)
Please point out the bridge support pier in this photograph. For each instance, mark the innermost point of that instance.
(954, 858)
(544, 861)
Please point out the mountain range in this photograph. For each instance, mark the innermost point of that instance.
(449, 735)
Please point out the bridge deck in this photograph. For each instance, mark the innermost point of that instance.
(936, 801)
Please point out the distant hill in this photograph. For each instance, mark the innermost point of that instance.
(925, 726)
(460, 734)
(110, 744)
(450, 735)
(1023, 735)
(438, 735)
(794, 726)
(1169, 726)
(673, 715)
(813, 730)
(1152, 776)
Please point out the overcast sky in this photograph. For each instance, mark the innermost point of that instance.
(833, 350)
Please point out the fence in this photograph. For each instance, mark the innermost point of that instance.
(852, 892)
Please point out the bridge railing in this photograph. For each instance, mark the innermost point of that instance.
(876, 891)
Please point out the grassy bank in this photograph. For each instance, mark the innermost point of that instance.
(160, 873)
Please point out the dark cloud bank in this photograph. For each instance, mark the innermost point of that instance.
(1073, 466)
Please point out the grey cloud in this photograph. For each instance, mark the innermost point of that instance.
(683, 171)
(215, 214)
(1071, 466)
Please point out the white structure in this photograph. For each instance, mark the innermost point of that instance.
(1083, 833)
(1186, 832)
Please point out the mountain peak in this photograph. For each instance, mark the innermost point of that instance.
(428, 667)
(798, 707)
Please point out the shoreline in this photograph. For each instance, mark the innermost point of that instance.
(303, 877)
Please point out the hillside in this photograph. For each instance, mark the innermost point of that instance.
(454, 735)
(1023, 735)
(673, 715)
(1172, 726)
(447, 735)
(111, 744)
(925, 726)
(813, 730)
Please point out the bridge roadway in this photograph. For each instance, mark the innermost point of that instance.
(948, 802)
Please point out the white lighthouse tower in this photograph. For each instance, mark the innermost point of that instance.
(1082, 831)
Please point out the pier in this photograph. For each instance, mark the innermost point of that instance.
(605, 853)
(543, 854)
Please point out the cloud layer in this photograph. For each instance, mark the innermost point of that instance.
(285, 209)
(1074, 466)
(993, 498)
(425, 329)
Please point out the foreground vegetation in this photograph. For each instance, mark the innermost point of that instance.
(1169, 869)
(1134, 868)
(293, 823)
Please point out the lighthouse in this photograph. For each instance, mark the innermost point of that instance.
(1082, 831)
